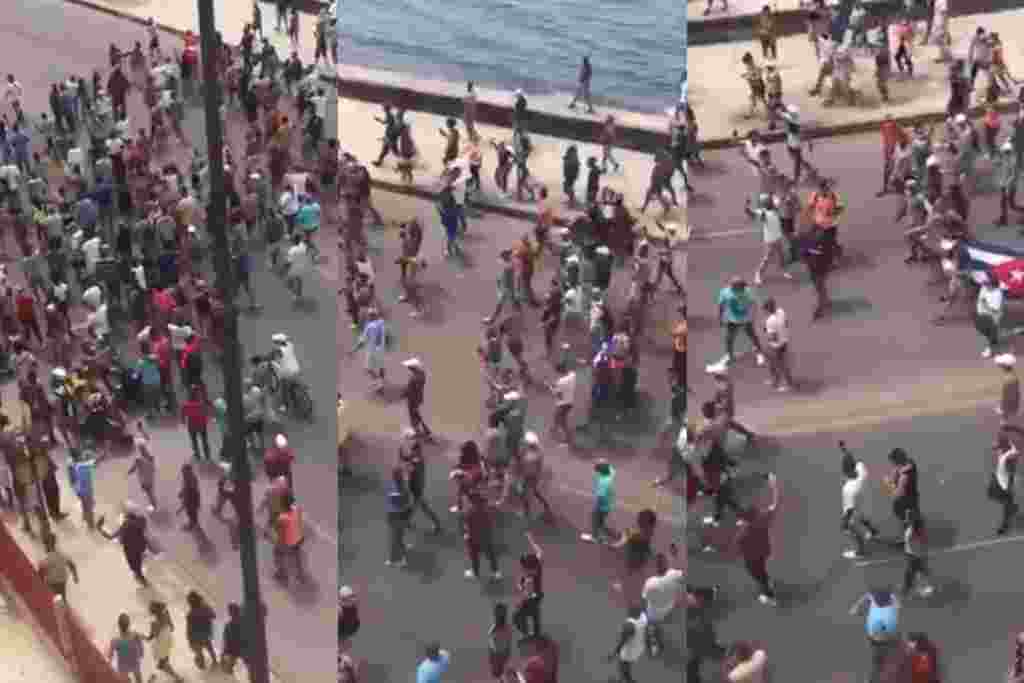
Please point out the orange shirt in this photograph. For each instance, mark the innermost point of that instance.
(824, 207)
(992, 119)
(289, 527)
(921, 668)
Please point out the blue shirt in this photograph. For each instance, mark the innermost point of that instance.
(308, 217)
(81, 474)
(373, 335)
(882, 622)
(430, 670)
(736, 306)
(604, 490)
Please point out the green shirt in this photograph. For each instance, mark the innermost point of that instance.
(736, 306)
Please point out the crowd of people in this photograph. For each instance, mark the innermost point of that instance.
(112, 305)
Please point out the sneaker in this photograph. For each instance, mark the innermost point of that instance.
(708, 549)
(402, 299)
(454, 509)
(782, 388)
(766, 600)
(760, 359)
(852, 555)
(710, 521)
(497, 576)
(788, 275)
(588, 538)
(868, 535)
(757, 279)
(469, 574)
(926, 591)
(987, 353)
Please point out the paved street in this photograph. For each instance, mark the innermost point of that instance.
(50, 40)
(879, 359)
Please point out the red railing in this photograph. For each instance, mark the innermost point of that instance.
(64, 629)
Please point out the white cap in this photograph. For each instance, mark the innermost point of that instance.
(793, 109)
(279, 338)
(59, 373)
(932, 161)
(281, 441)
(531, 439)
(346, 592)
(1006, 360)
(512, 396)
(961, 118)
(603, 250)
(573, 259)
(412, 363)
(563, 231)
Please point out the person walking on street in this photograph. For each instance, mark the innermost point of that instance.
(754, 541)
(499, 642)
(1001, 483)
(855, 476)
(126, 650)
(199, 629)
(55, 568)
(609, 138)
(414, 396)
(132, 535)
(881, 609)
(399, 514)
(190, 497)
(195, 413)
(564, 390)
(776, 332)
(232, 646)
(916, 574)
(725, 402)
(478, 534)
(902, 483)
(735, 314)
(989, 313)
(161, 635)
(531, 471)
(631, 644)
(771, 228)
(527, 617)
(144, 465)
(604, 502)
(469, 112)
(411, 456)
(434, 665)
(289, 540)
(583, 86)
(1009, 398)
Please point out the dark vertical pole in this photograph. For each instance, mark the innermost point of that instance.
(256, 655)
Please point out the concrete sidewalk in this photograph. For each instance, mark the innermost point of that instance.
(27, 656)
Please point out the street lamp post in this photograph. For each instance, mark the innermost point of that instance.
(682, 506)
(256, 659)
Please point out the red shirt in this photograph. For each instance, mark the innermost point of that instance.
(278, 459)
(188, 351)
(922, 668)
(25, 307)
(162, 348)
(195, 414)
(756, 538)
(163, 300)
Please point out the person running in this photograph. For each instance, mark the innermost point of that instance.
(881, 609)
(754, 541)
(855, 475)
(527, 618)
(161, 635)
(916, 572)
(411, 456)
(631, 644)
(56, 567)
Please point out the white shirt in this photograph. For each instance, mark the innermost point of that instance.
(777, 328)
(288, 364)
(661, 592)
(99, 321)
(635, 647)
(853, 489)
(771, 224)
(565, 389)
(91, 250)
(1002, 468)
(319, 103)
(990, 302)
(179, 336)
(60, 292)
(92, 296)
(750, 671)
(299, 263)
(289, 203)
(14, 92)
(139, 272)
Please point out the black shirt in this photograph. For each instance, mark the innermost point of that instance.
(348, 622)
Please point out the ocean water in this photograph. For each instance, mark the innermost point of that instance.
(635, 46)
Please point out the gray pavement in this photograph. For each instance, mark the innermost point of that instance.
(50, 40)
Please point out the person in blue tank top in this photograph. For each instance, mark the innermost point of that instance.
(881, 609)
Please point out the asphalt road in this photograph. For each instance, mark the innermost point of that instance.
(878, 356)
(50, 40)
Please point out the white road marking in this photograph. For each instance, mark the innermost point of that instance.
(963, 547)
(699, 236)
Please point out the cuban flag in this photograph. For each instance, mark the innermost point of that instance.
(1003, 263)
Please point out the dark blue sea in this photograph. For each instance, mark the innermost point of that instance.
(536, 45)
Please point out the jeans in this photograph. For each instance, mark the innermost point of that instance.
(396, 529)
(485, 547)
(527, 614)
(732, 329)
(851, 526)
(599, 524)
(199, 436)
(988, 327)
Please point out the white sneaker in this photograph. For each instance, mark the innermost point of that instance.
(708, 549)
(926, 591)
(710, 521)
(453, 509)
(469, 574)
(760, 359)
(765, 600)
(587, 538)
(987, 353)
(852, 555)
(757, 279)
(497, 576)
